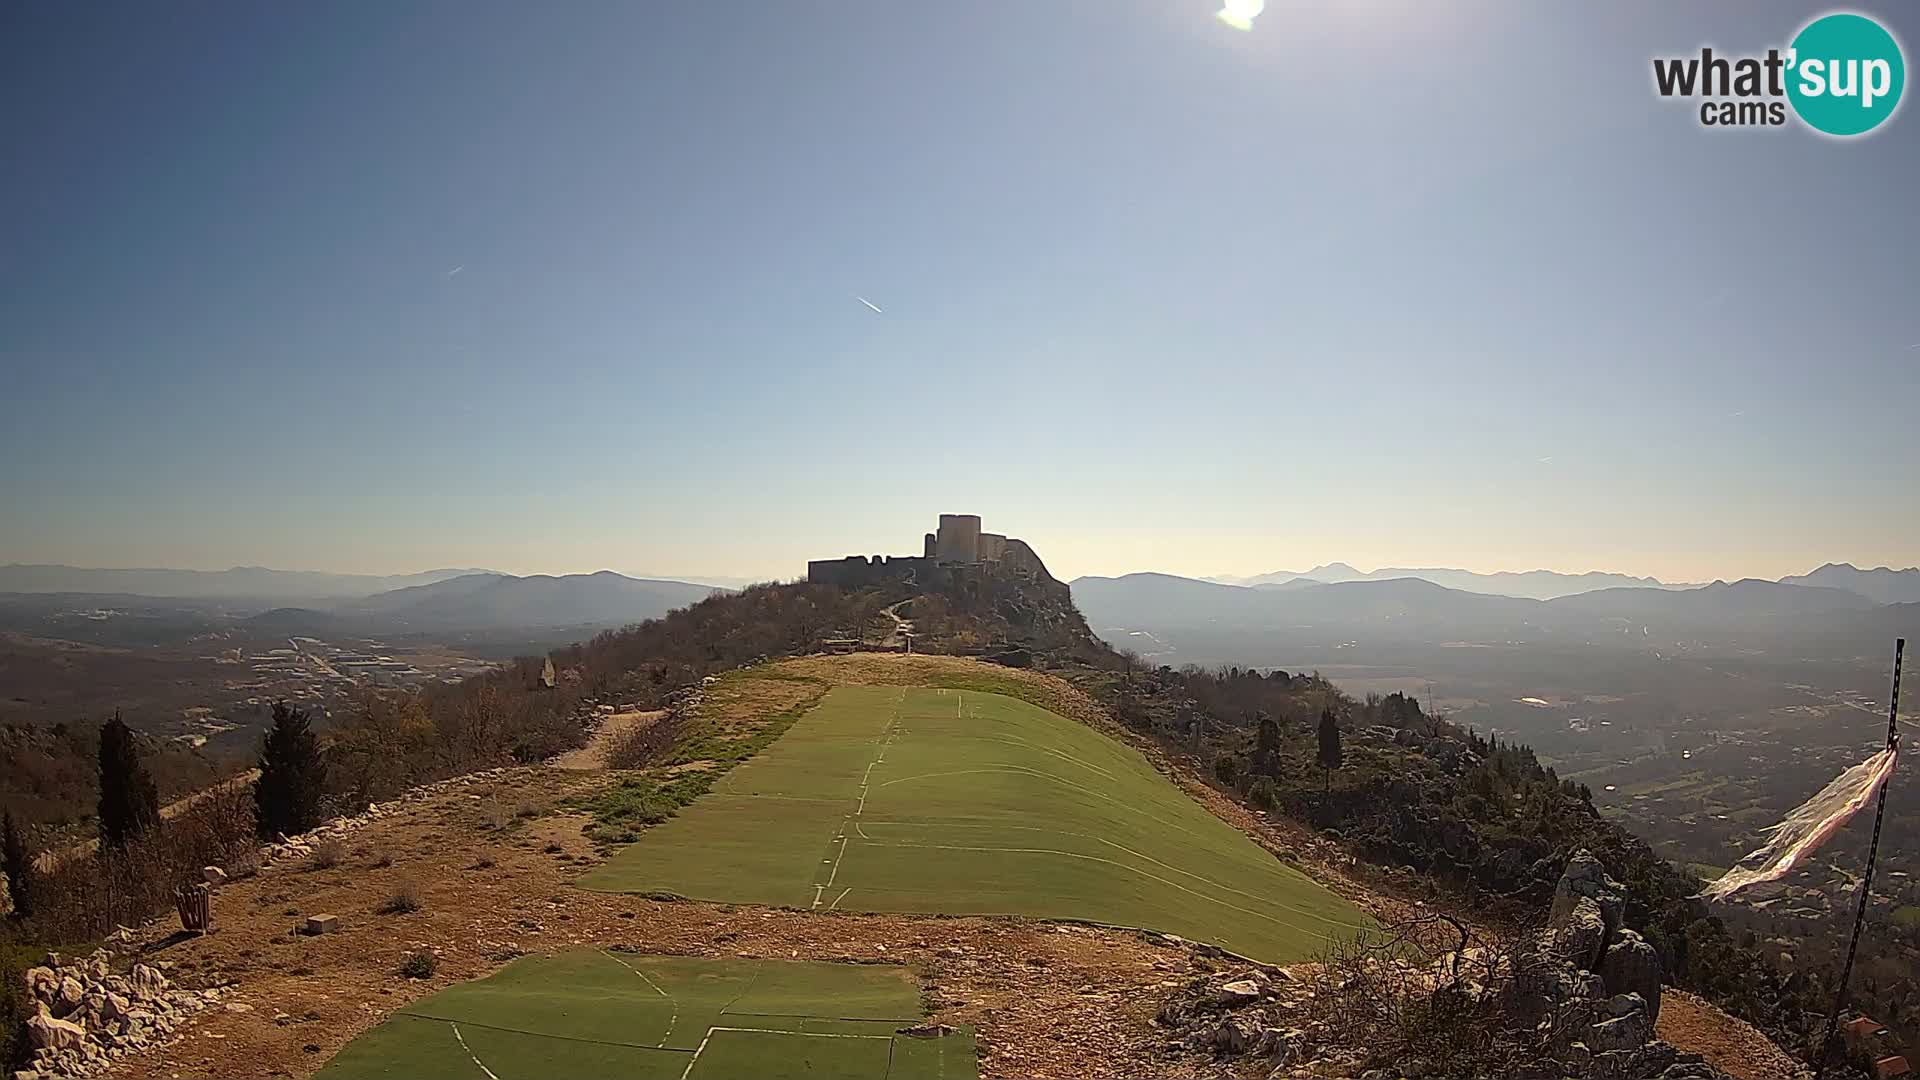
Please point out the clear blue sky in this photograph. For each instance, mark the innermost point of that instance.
(1388, 281)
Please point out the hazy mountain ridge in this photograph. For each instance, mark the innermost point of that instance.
(1529, 584)
(501, 600)
(1882, 584)
(240, 582)
(1415, 608)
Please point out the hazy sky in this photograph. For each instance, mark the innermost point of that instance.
(385, 286)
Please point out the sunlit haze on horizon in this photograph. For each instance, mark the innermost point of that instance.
(695, 291)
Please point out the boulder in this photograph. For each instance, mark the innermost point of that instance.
(213, 875)
(42, 984)
(1238, 992)
(1631, 966)
(1582, 935)
(69, 996)
(1629, 1032)
(1586, 877)
(147, 981)
(1234, 1035)
(49, 1033)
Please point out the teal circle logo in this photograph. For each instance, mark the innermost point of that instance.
(1845, 74)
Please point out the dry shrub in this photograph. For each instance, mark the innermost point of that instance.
(419, 964)
(87, 896)
(1431, 991)
(404, 901)
(640, 745)
(327, 854)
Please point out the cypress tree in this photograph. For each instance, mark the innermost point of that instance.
(1329, 744)
(129, 802)
(292, 775)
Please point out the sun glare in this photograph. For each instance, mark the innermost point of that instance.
(1240, 14)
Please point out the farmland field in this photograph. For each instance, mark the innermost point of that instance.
(903, 799)
(596, 1013)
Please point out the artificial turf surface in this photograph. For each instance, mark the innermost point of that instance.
(595, 1013)
(960, 802)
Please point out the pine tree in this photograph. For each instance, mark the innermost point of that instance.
(292, 775)
(1329, 744)
(18, 859)
(129, 803)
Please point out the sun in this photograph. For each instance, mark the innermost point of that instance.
(1240, 14)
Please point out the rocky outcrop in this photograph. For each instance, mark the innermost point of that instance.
(1577, 1000)
(88, 1012)
(1595, 986)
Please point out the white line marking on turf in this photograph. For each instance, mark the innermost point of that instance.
(837, 899)
(866, 779)
(688, 1071)
(469, 1050)
(675, 1019)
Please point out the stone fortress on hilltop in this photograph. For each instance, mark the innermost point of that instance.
(959, 547)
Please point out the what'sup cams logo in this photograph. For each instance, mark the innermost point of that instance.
(1842, 75)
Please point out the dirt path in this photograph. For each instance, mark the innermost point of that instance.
(594, 754)
(47, 860)
(1730, 1045)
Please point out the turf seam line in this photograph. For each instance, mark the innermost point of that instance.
(835, 1019)
(673, 1021)
(758, 967)
(476, 1058)
(543, 1034)
(802, 1034)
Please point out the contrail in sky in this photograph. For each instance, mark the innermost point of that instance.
(871, 304)
(456, 269)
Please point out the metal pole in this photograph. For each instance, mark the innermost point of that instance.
(1866, 882)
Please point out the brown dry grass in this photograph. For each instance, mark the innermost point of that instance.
(743, 703)
(596, 754)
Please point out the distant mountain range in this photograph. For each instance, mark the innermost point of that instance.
(488, 600)
(1763, 613)
(1532, 584)
(298, 601)
(1879, 584)
(239, 583)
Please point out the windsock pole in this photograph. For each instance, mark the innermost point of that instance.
(1866, 882)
